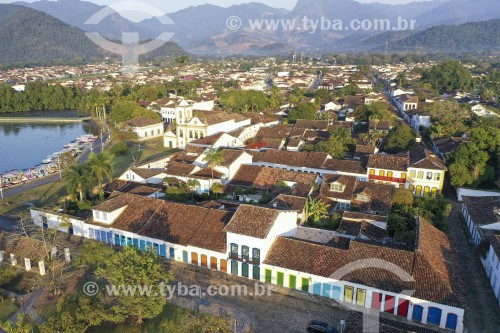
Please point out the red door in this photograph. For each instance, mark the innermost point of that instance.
(389, 304)
(376, 301)
(403, 307)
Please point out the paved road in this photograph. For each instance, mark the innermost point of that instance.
(483, 313)
(51, 178)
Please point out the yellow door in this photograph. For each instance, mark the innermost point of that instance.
(348, 293)
(360, 297)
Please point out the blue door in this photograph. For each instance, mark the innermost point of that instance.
(149, 246)
(103, 236)
(185, 256)
(327, 290)
(142, 245)
(117, 240)
(163, 250)
(129, 241)
(434, 316)
(336, 293)
(317, 288)
(98, 235)
(172, 253)
(109, 237)
(451, 321)
(417, 313)
(136, 243)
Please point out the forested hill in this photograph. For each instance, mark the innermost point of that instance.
(468, 37)
(30, 37)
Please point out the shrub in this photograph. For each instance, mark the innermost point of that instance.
(119, 149)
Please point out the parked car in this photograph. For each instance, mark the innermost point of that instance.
(320, 326)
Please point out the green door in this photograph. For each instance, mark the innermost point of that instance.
(244, 269)
(234, 267)
(268, 276)
(256, 273)
(305, 285)
(292, 282)
(281, 278)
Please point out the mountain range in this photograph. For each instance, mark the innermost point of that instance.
(202, 29)
(31, 37)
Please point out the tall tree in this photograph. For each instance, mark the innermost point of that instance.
(78, 178)
(101, 167)
(214, 158)
(316, 210)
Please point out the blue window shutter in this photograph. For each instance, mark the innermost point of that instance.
(117, 240)
(163, 250)
(142, 244)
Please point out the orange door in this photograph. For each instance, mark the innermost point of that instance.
(204, 260)
(213, 263)
(223, 266)
(194, 258)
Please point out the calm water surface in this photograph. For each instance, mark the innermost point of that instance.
(24, 145)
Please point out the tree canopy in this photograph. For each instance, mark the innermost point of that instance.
(448, 75)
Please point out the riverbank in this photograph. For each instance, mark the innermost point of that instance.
(43, 120)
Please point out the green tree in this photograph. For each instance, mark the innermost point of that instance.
(302, 111)
(101, 166)
(468, 166)
(22, 326)
(448, 75)
(75, 314)
(93, 255)
(217, 189)
(193, 184)
(402, 196)
(316, 210)
(213, 158)
(198, 324)
(132, 267)
(400, 138)
(78, 179)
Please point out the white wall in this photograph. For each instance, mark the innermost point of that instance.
(493, 271)
(469, 192)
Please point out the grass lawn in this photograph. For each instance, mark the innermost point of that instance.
(7, 309)
(40, 196)
(170, 313)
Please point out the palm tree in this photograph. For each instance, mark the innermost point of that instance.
(217, 189)
(401, 77)
(101, 166)
(316, 209)
(193, 184)
(78, 178)
(214, 158)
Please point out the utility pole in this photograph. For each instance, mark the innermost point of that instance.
(59, 166)
(1, 187)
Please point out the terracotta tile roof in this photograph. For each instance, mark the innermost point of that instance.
(483, 209)
(216, 117)
(143, 122)
(348, 166)
(295, 143)
(188, 155)
(380, 197)
(173, 222)
(312, 124)
(269, 178)
(299, 159)
(206, 173)
(447, 145)
(289, 202)
(209, 140)
(127, 186)
(252, 221)
(180, 169)
(349, 183)
(230, 156)
(425, 159)
(276, 132)
(362, 228)
(364, 217)
(258, 118)
(388, 162)
(365, 149)
(146, 173)
(433, 267)
(114, 203)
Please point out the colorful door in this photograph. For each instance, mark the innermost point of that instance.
(194, 258)
(204, 260)
(223, 265)
(292, 282)
(136, 243)
(451, 321)
(305, 285)
(327, 290)
(389, 304)
(244, 269)
(185, 256)
(234, 267)
(403, 308)
(376, 301)
(281, 278)
(360, 297)
(256, 273)
(163, 250)
(213, 263)
(417, 313)
(172, 253)
(336, 292)
(348, 294)
(317, 288)
(142, 245)
(434, 316)
(268, 276)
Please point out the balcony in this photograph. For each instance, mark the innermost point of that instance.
(251, 261)
(388, 179)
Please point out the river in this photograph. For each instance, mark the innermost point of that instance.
(24, 145)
